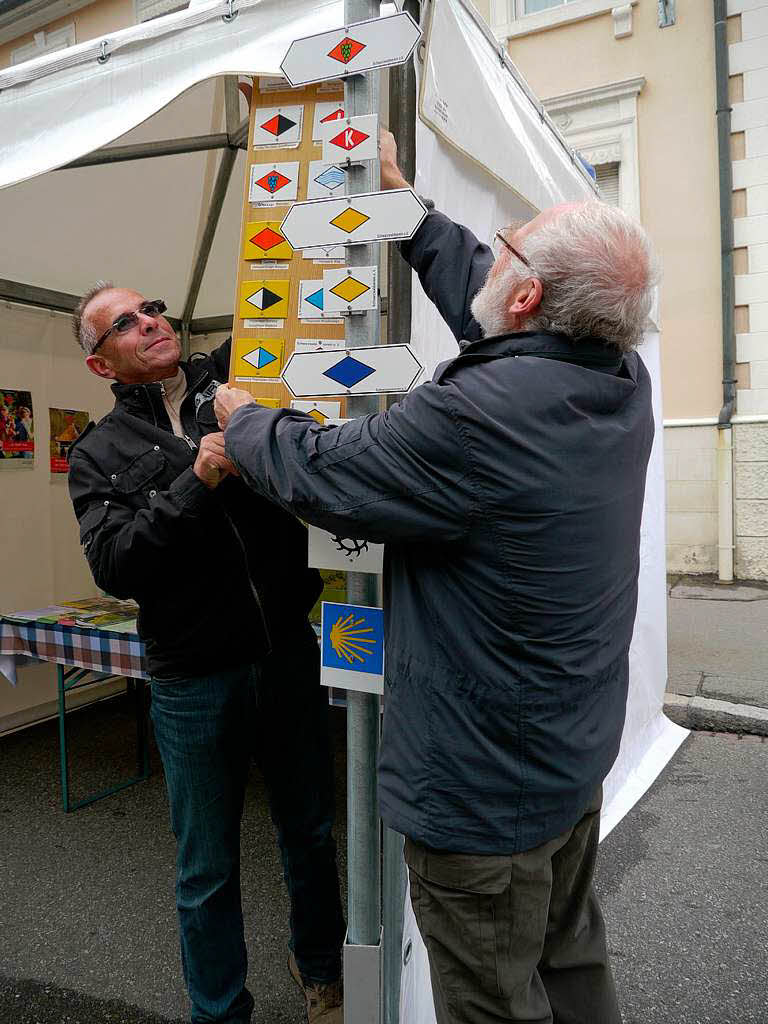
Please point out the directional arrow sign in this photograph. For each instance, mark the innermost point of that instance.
(377, 43)
(380, 369)
(369, 217)
(354, 138)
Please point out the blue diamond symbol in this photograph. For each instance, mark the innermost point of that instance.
(315, 299)
(348, 372)
(331, 178)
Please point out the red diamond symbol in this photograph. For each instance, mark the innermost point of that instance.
(335, 115)
(349, 138)
(272, 181)
(346, 50)
(267, 239)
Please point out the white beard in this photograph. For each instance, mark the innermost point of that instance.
(490, 307)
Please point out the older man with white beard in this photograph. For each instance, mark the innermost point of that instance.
(508, 492)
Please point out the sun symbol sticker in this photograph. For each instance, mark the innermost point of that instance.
(351, 548)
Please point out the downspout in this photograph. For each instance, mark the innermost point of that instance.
(724, 425)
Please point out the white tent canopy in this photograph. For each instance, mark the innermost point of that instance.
(142, 223)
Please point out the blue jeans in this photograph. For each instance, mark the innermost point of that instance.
(207, 730)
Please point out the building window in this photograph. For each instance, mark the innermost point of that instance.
(146, 10)
(534, 6)
(601, 125)
(44, 42)
(608, 182)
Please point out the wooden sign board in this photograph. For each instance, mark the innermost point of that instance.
(281, 145)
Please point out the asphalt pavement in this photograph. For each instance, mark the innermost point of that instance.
(718, 655)
(88, 933)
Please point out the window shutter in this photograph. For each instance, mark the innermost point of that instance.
(608, 182)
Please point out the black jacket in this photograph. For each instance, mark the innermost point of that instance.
(509, 493)
(219, 575)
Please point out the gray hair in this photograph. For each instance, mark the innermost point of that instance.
(597, 271)
(85, 334)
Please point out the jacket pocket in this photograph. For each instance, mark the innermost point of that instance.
(336, 445)
(91, 522)
(138, 473)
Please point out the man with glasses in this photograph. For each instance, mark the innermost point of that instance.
(508, 491)
(221, 579)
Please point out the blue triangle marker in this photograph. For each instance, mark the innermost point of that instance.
(264, 358)
(315, 299)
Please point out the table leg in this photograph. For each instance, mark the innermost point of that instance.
(63, 757)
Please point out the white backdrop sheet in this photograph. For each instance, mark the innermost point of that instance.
(462, 189)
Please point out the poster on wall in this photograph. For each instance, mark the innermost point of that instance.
(17, 434)
(66, 426)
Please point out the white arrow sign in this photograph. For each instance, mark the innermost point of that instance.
(377, 43)
(354, 139)
(369, 217)
(379, 369)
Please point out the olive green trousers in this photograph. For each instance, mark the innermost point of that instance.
(516, 938)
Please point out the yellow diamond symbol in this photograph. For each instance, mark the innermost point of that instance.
(350, 289)
(349, 220)
(317, 415)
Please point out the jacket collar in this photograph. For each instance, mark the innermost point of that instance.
(593, 353)
(135, 397)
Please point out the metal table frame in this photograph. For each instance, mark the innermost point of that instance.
(71, 678)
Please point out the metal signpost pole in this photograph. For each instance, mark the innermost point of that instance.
(362, 971)
(402, 122)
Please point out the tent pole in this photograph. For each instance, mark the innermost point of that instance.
(146, 150)
(204, 251)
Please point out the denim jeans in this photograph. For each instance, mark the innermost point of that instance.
(207, 730)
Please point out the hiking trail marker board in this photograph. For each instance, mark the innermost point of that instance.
(330, 551)
(374, 370)
(364, 46)
(352, 646)
(354, 139)
(368, 217)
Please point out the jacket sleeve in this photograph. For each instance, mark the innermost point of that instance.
(452, 266)
(123, 545)
(398, 476)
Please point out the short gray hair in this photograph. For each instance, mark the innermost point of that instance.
(597, 271)
(85, 334)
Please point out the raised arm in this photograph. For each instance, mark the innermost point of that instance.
(451, 263)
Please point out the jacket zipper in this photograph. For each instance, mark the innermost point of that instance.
(254, 591)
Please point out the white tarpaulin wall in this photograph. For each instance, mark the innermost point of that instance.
(499, 135)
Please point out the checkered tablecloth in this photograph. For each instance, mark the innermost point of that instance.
(99, 650)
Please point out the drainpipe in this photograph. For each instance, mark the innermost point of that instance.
(725, 427)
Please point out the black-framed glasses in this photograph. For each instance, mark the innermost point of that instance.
(512, 249)
(127, 321)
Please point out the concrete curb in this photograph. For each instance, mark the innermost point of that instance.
(708, 715)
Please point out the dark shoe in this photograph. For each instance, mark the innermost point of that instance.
(325, 1002)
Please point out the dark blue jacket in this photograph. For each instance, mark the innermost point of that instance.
(509, 493)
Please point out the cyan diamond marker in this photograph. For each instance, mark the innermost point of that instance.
(348, 372)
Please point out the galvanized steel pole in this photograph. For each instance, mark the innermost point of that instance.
(361, 96)
(402, 123)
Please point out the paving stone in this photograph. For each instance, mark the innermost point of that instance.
(737, 689)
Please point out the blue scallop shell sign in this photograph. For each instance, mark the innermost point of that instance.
(353, 647)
